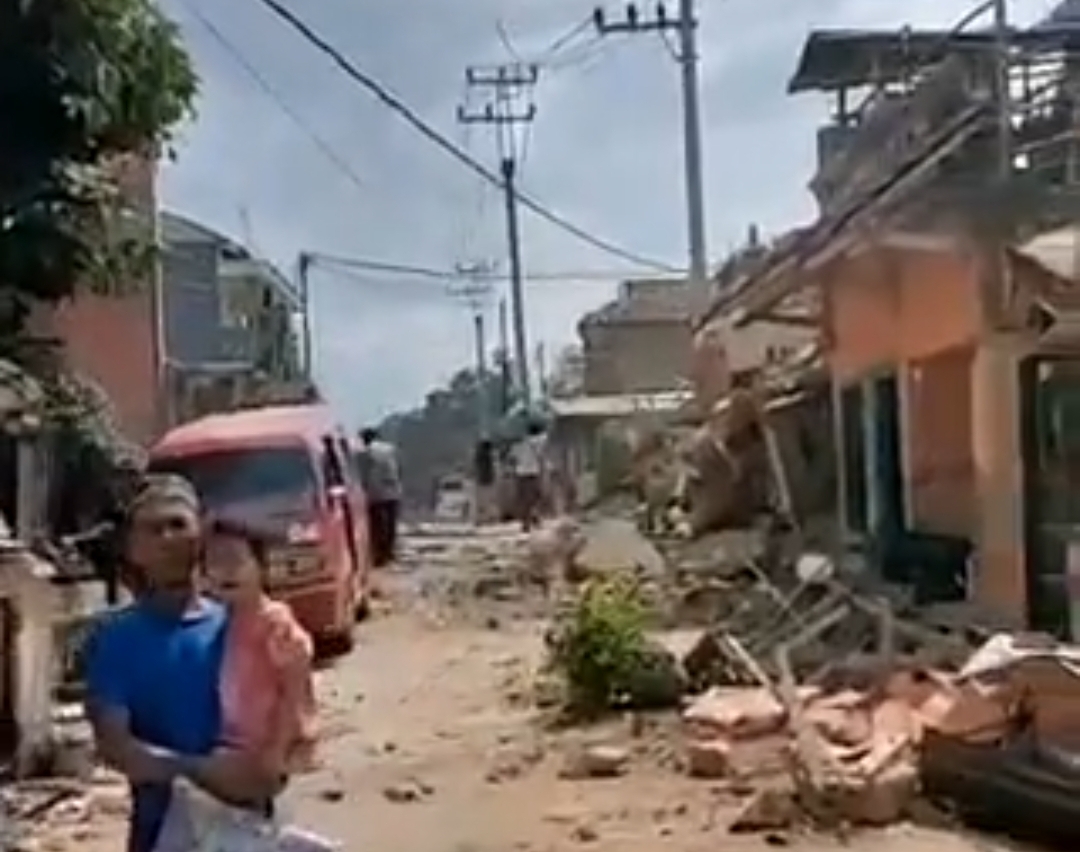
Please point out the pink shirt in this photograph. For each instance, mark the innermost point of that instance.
(267, 695)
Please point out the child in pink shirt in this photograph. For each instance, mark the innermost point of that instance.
(267, 695)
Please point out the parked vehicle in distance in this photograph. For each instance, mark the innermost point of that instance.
(286, 472)
(453, 499)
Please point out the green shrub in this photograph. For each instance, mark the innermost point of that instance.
(600, 647)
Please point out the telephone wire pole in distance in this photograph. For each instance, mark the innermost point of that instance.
(507, 83)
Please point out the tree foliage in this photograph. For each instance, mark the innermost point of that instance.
(82, 84)
(439, 437)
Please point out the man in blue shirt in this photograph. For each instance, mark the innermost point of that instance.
(153, 669)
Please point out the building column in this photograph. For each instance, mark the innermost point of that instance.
(999, 577)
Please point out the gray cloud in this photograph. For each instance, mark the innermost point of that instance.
(605, 152)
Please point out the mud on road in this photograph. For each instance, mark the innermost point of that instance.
(432, 744)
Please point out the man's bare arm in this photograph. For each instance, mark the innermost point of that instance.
(136, 760)
(228, 776)
(233, 777)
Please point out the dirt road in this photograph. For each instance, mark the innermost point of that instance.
(431, 747)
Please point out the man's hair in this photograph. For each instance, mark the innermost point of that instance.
(369, 434)
(150, 488)
(161, 487)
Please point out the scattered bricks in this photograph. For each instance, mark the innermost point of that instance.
(708, 758)
(770, 809)
(596, 761)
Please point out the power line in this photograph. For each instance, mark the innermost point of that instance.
(548, 54)
(260, 80)
(433, 273)
(393, 102)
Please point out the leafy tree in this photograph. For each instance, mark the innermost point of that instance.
(82, 83)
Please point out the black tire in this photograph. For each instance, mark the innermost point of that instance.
(334, 645)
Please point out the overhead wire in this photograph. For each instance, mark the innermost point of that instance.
(546, 55)
(394, 103)
(260, 80)
(435, 274)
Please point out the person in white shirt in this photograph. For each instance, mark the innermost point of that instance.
(528, 459)
(377, 465)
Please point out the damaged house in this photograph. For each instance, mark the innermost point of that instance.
(944, 274)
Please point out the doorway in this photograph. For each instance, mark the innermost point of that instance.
(873, 458)
(1050, 454)
(887, 472)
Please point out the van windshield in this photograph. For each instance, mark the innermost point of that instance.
(281, 478)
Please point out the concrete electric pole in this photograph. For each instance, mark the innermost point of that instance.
(686, 26)
(304, 287)
(477, 292)
(504, 357)
(508, 83)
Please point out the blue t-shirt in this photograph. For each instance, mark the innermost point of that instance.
(163, 670)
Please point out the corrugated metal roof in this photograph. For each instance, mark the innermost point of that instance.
(834, 59)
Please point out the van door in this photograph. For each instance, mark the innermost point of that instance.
(342, 498)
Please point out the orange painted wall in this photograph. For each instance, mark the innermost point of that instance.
(892, 305)
(941, 461)
(916, 312)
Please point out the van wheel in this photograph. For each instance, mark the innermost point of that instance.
(336, 644)
(341, 641)
(362, 597)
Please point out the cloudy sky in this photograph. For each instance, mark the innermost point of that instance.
(605, 152)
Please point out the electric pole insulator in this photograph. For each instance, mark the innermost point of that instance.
(632, 17)
(599, 19)
(661, 15)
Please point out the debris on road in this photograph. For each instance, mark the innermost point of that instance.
(596, 761)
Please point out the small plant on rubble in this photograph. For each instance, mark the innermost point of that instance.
(601, 646)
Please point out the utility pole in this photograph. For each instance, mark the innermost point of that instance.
(304, 272)
(476, 291)
(508, 83)
(504, 348)
(686, 26)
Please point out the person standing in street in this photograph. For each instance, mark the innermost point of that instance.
(153, 672)
(377, 465)
(527, 459)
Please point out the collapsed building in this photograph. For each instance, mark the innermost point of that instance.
(941, 272)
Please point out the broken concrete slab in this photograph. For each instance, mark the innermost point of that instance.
(615, 546)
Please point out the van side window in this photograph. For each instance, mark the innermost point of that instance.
(344, 453)
(333, 470)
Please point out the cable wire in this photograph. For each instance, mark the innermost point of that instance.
(390, 100)
(435, 274)
(327, 150)
(545, 56)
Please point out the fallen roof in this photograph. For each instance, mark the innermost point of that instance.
(620, 405)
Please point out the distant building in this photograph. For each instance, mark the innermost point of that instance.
(228, 321)
(641, 342)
